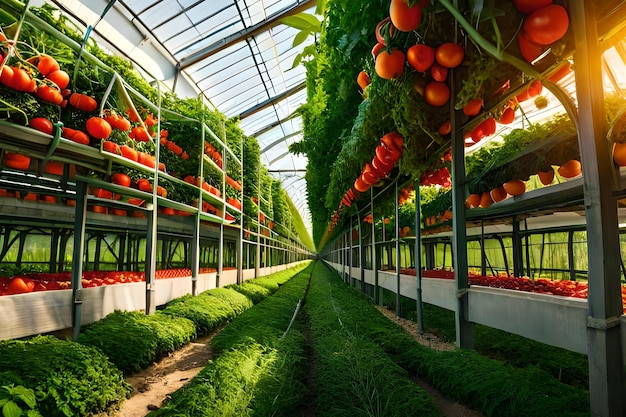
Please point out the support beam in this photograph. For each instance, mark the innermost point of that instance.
(604, 347)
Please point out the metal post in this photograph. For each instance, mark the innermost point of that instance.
(518, 267)
(570, 255)
(350, 252)
(361, 253)
(77, 257)
(604, 346)
(374, 254)
(464, 328)
(397, 247)
(195, 252)
(418, 259)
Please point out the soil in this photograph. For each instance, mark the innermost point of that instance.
(154, 384)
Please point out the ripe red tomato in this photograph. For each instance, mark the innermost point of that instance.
(120, 178)
(445, 128)
(403, 17)
(117, 121)
(49, 94)
(529, 6)
(22, 81)
(529, 50)
(535, 88)
(83, 102)
(450, 55)
(16, 161)
(393, 140)
(144, 185)
(60, 78)
(98, 128)
(508, 115)
(363, 80)
(44, 63)
(129, 153)
(42, 124)
(439, 72)
(473, 107)
(436, 93)
(19, 285)
(421, 57)
(140, 134)
(546, 25)
(390, 64)
(109, 146)
(6, 76)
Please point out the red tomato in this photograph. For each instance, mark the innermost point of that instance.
(19, 285)
(546, 25)
(535, 88)
(83, 102)
(445, 128)
(363, 80)
(60, 78)
(144, 185)
(42, 124)
(488, 126)
(117, 121)
(393, 140)
(439, 72)
(360, 185)
(529, 50)
(450, 55)
(22, 81)
(403, 17)
(140, 134)
(146, 159)
(49, 94)
(129, 153)
(120, 178)
(98, 127)
(46, 64)
(110, 147)
(473, 107)
(390, 64)
(6, 76)
(529, 6)
(508, 115)
(436, 94)
(174, 148)
(16, 161)
(421, 57)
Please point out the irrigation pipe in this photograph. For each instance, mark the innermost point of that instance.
(295, 313)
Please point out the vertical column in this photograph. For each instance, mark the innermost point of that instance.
(397, 248)
(464, 328)
(77, 257)
(195, 253)
(151, 247)
(518, 267)
(374, 254)
(418, 259)
(604, 348)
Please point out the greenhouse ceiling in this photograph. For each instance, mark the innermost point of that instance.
(234, 52)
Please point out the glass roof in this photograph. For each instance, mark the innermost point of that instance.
(235, 52)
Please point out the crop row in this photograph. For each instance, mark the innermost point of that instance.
(86, 377)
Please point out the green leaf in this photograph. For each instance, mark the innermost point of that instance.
(296, 61)
(321, 7)
(27, 395)
(11, 409)
(300, 37)
(33, 413)
(303, 21)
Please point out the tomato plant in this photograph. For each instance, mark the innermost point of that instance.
(42, 124)
(450, 55)
(421, 57)
(390, 64)
(546, 25)
(98, 128)
(403, 17)
(44, 63)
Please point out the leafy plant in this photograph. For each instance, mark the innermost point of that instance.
(16, 401)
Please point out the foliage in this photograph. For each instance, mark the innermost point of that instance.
(68, 378)
(207, 312)
(508, 390)
(16, 401)
(134, 340)
(254, 292)
(257, 373)
(353, 376)
(522, 153)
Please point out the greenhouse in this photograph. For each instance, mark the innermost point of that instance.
(313, 208)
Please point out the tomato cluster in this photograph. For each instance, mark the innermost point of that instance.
(62, 280)
(544, 24)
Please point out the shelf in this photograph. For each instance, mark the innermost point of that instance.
(211, 162)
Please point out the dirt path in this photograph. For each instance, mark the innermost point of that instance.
(152, 385)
